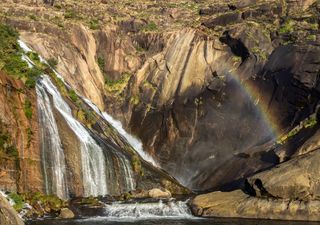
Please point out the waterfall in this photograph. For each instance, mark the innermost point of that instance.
(92, 157)
(97, 165)
(170, 209)
(52, 155)
(128, 173)
(125, 164)
(133, 141)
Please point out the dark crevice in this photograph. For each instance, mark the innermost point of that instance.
(263, 191)
(248, 189)
(237, 47)
(232, 7)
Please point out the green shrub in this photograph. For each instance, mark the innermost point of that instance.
(28, 109)
(94, 24)
(18, 201)
(150, 27)
(70, 14)
(312, 37)
(310, 122)
(287, 27)
(101, 63)
(33, 17)
(6, 146)
(10, 57)
(117, 86)
(134, 100)
(52, 62)
(33, 56)
(73, 95)
(31, 77)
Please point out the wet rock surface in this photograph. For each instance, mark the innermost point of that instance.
(8, 216)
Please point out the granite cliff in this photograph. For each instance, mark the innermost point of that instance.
(223, 94)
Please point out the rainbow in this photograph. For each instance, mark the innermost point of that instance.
(262, 105)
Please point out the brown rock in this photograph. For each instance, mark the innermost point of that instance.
(237, 204)
(294, 179)
(157, 193)
(66, 213)
(14, 122)
(8, 216)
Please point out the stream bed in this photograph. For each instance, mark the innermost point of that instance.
(164, 221)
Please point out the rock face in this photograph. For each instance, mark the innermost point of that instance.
(237, 204)
(20, 167)
(49, 133)
(76, 58)
(8, 216)
(214, 93)
(289, 191)
(295, 179)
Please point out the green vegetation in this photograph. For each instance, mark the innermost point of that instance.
(236, 59)
(84, 115)
(33, 75)
(10, 57)
(18, 201)
(6, 146)
(50, 203)
(101, 63)
(94, 24)
(33, 17)
(134, 100)
(149, 85)
(314, 26)
(28, 109)
(311, 122)
(70, 14)
(150, 27)
(259, 52)
(287, 27)
(312, 37)
(52, 62)
(34, 57)
(308, 123)
(73, 96)
(117, 86)
(92, 201)
(136, 165)
(29, 136)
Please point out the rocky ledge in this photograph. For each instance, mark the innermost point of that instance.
(239, 204)
(289, 191)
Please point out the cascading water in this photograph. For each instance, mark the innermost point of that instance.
(53, 159)
(52, 155)
(96, 164)
(125, 164)
(128, 173)
(92, 157)
(133, 141)
(170, 209)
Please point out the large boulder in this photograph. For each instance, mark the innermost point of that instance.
(66, 213)
(238, 204)
(157, 193)
(295, 179)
